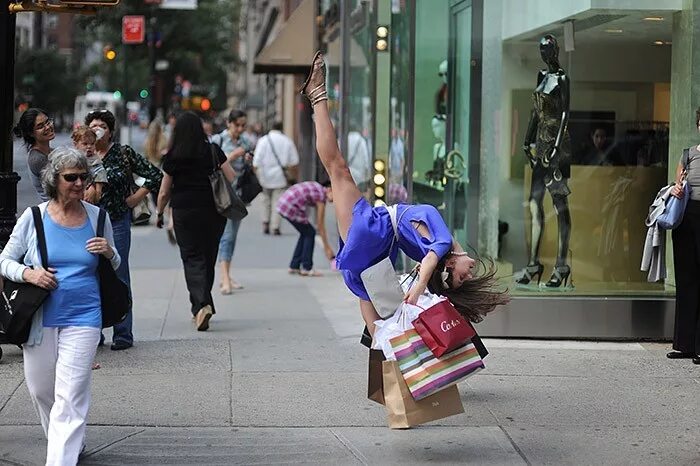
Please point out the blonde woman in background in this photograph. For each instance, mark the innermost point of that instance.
(154, 147)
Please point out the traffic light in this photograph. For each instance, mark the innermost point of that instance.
(109, 53)
(143, 94)
(205, 104)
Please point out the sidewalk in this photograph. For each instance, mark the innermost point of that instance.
(281, 378)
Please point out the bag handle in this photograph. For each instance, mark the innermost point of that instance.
(101, 218)
(274, 152)
(214, 159)
(40, 236)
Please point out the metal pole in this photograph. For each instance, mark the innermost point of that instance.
(8, 178)
(153, 25)
(344, 75)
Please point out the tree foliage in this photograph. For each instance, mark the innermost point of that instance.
(40, 73)
(198, 44)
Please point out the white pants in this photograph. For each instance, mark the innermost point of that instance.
(58, 373)
(270, 215)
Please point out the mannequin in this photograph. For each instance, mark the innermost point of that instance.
(548, 149)
(436, 175)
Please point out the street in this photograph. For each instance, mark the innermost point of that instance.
(281, 378)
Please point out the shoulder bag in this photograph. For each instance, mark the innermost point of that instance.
(114, 293)
(141, 213)
(226, 200)
(248, 185)
(286, 170)
(21, 300)
(672, 215)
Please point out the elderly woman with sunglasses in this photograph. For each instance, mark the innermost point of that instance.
(121, 162)
(65, 331)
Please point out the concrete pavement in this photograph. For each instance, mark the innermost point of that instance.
(280, 378)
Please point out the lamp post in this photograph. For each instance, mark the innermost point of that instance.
(8, 178)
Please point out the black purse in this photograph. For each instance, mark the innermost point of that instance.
(21, 300)
(247, 185)
(114, 293)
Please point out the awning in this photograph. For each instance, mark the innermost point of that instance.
(293, 48)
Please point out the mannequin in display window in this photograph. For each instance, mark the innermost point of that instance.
(548, 149)
(436, 175)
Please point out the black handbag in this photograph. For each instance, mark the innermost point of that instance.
(226, 201)
(114, 293)
(248, 186)
(21, 300)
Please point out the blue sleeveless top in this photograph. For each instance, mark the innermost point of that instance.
(76, 300)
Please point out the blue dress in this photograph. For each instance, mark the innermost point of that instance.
(370, 239)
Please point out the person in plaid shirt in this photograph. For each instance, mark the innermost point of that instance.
(292, 206)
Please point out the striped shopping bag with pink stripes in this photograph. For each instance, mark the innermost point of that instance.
(424, 373)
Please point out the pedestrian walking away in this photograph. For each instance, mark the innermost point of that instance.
(686, 258)
(121, 163)
(292, 205)
(367, 235)
(275, 154)
(37, 131)
(237, 150)
(198, 226)
(65, 331)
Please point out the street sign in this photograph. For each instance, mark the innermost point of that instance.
(133, 29)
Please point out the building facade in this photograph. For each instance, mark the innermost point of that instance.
(443, 93)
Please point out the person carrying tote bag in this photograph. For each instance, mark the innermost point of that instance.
(686, 249)
(60, 348)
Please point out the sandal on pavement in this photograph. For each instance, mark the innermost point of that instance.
(202, 318)
(235, 285)
(225, 289)
(294, 272)
(314, 88)
(310, 273)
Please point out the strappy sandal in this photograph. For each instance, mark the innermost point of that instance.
(314, 88)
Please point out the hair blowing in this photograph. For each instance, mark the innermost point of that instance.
(25, 126)
(476, 297)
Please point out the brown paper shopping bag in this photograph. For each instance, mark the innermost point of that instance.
(375, 383)
(403, 411)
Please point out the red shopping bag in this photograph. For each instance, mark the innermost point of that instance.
(442, 328)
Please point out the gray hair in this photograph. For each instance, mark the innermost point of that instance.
(60, 159)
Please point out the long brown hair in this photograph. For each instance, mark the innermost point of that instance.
(477, 296)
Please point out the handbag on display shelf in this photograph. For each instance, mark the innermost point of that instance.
(21, 300)
(114, 293)
(227, 202)
(442, 328)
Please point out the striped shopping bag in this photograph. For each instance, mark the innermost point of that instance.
(424, 373)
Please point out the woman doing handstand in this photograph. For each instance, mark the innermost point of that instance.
(367, 234)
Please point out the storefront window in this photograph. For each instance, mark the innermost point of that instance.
(401, 17)
(574, 212)
(430, 103)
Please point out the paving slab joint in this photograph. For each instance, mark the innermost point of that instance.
(104, 446)
(350, 447)
(515, 446)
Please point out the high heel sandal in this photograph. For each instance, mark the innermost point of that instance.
(314, 88)
(529, 273)
(560, 275)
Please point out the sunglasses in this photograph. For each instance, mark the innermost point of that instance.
(73, 177)
(98, 112)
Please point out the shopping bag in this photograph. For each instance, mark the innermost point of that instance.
(394, 326)
(442, 328)
(375, 384)
(403, 411)
(424, 373)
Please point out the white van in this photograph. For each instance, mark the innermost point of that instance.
(95, 101)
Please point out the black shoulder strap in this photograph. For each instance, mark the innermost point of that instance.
(274, 152)
(101, 218)
(686, 158)
(214, 156)
(40, 236)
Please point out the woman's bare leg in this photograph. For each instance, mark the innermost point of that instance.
(369, 314)
(345, 191)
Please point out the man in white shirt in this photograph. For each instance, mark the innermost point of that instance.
(273, 152)
(359, 160)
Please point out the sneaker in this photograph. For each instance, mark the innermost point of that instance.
(202, 318)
